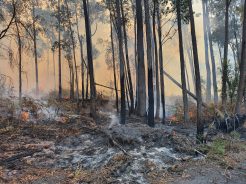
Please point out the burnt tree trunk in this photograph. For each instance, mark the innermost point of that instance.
(114, 67)
(122, 73)
(82, 62)
(200, 126)
(241, 86)
(71, 70)
(157, 115)
(74, 52)
(54, 69)
(161, 65)
(141, 89)
(35, 47)
(59, 50)
(151, 113)
(182, 64)
(20, 59)
(90, 58)
(225, 59)
(127, 60)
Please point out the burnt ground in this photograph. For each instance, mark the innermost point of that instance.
(46, 141)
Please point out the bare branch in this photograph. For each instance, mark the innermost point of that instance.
(94, 31)
(167, 35)
(3, 32)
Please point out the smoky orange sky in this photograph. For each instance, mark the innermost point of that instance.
(102, 74)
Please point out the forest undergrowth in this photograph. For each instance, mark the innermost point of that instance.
(49, 141)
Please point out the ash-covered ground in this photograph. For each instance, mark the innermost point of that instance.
(49, 141)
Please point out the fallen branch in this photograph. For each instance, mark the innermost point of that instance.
(119, 146)
(205, 156)
(105, 86)
(18, 156)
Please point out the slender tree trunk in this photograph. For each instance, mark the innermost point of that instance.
(35, 47)
(220, 54)
(114, 67)
(48, 68)
(200, 126)
(188, 47)
(74, 53)
(151, 114)
(122, 73)
(59, 49)
(20, 60)
(234, 55)
(82, 67)
(157, 115)
(235, 33)
(225, 59)
(161, 65)
(87, 85)
(71, 69)
(214, 73)
(182, 64)
(127, 92)
(126, 85)
(141, 101)
(192, 68)
(135, 51)
(127, 60)
(54, 69)
(90, 58)
(208, 69)
(136, 58)
(242, 79)
(187, 78)
(80, 39)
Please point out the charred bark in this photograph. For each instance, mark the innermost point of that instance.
(157, 115)
(122, 73)
(127, 60)
(225, 59)
(241, 86)
(151, 113)
(200, 126)
(114, 67)
(59, 50)
(141, 101)
(161, 65)
(182, 64)
(90, 58)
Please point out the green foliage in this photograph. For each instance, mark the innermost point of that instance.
(235, 135)
(184, 8)
(218, 147)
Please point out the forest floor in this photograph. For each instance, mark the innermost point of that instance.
(47, 141)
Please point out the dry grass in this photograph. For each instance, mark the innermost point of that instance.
(101, 175)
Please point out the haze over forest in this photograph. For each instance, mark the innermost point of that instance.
(102, 33)
(123, 91)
